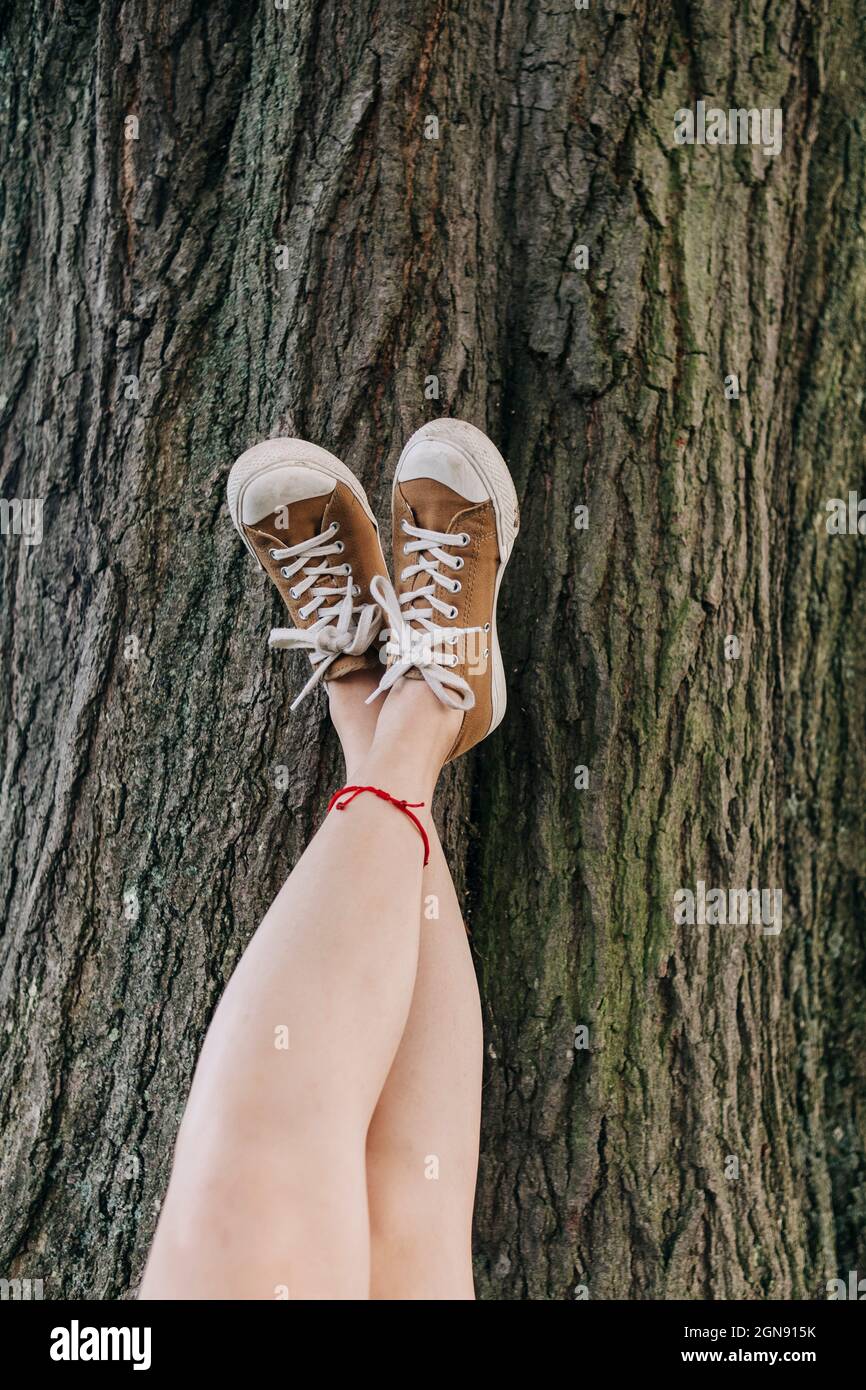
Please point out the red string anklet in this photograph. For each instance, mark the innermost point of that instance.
(384, 796)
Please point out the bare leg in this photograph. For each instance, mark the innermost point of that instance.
(268, 1193)
(422, 1147)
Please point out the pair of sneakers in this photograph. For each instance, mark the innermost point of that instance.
(306, 519)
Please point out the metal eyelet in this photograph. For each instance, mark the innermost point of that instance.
(405, 550)
(487, 651)
(335, 526)
(285, 572)
(486, 627)
(272, 554)
(453, 613)
(458, 562)
(340, 547)
(465, 538)
(456, 587)
(403, 525)
(293, 593)
(356, 589)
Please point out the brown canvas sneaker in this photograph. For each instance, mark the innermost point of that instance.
(455, 520)
(297, 509)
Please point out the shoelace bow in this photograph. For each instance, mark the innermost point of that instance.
(414, 637)
(344, 628)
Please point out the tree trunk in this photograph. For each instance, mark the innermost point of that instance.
(281, 242)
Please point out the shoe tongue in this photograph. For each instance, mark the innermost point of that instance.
(298, 522)
(306, 518)
(434, 505)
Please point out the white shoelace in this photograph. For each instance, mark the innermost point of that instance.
(414, 637)
(337, 630)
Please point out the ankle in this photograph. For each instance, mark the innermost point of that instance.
(353, 719)
(406, 779)
(416, 730)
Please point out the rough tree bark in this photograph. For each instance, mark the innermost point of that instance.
(143, 831)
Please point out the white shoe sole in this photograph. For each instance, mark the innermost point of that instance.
(275, 453)
(486, 461)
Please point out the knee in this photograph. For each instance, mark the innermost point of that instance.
(419, 1195)
(420, 1233)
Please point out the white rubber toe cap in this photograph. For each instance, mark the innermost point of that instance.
(280, 486)
(433, 458)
